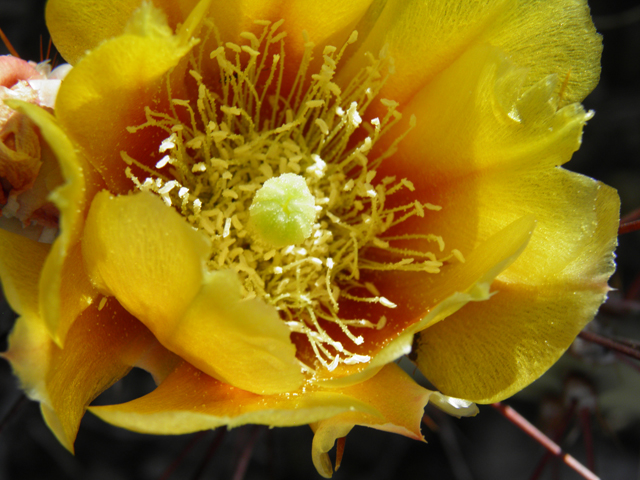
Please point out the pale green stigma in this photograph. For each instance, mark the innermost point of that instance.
(283, 211)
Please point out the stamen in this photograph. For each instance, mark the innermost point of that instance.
(283, 186)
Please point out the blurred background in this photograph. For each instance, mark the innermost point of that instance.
(591, 399)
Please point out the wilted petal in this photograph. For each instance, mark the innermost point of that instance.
(13, 69)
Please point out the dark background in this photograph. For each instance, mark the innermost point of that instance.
(485, 447)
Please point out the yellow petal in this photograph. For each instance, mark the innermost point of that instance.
(429, 299)
(73, 25)
(242, 342)
(486, 353)
(577, 224)
(159, 362)
(74, 29)
(393, 394)
(322, 28)
(101, 347)
(64, 288)
(118, 79)
(476, 116)
(21, 262)
(424, 38)
(29, 351)
(145, 254)
(551, 37)
(233, 18)
(477, 146)
(189, 401)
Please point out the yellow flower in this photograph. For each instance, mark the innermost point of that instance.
(414, 150)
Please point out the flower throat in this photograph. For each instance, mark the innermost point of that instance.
(246, 130)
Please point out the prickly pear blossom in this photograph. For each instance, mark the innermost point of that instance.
(268, 203)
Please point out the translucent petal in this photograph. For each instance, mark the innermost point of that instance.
(424, 38)
(486, 353)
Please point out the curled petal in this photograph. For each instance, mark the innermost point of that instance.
(143, 253)
(398, 399)
(241, 342)
(147, 256)
(64, 287)
(189, 400)
(117, 79)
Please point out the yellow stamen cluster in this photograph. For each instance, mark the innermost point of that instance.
(245, 130)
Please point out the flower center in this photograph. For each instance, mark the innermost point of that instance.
(283, 211)
(283, 183)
